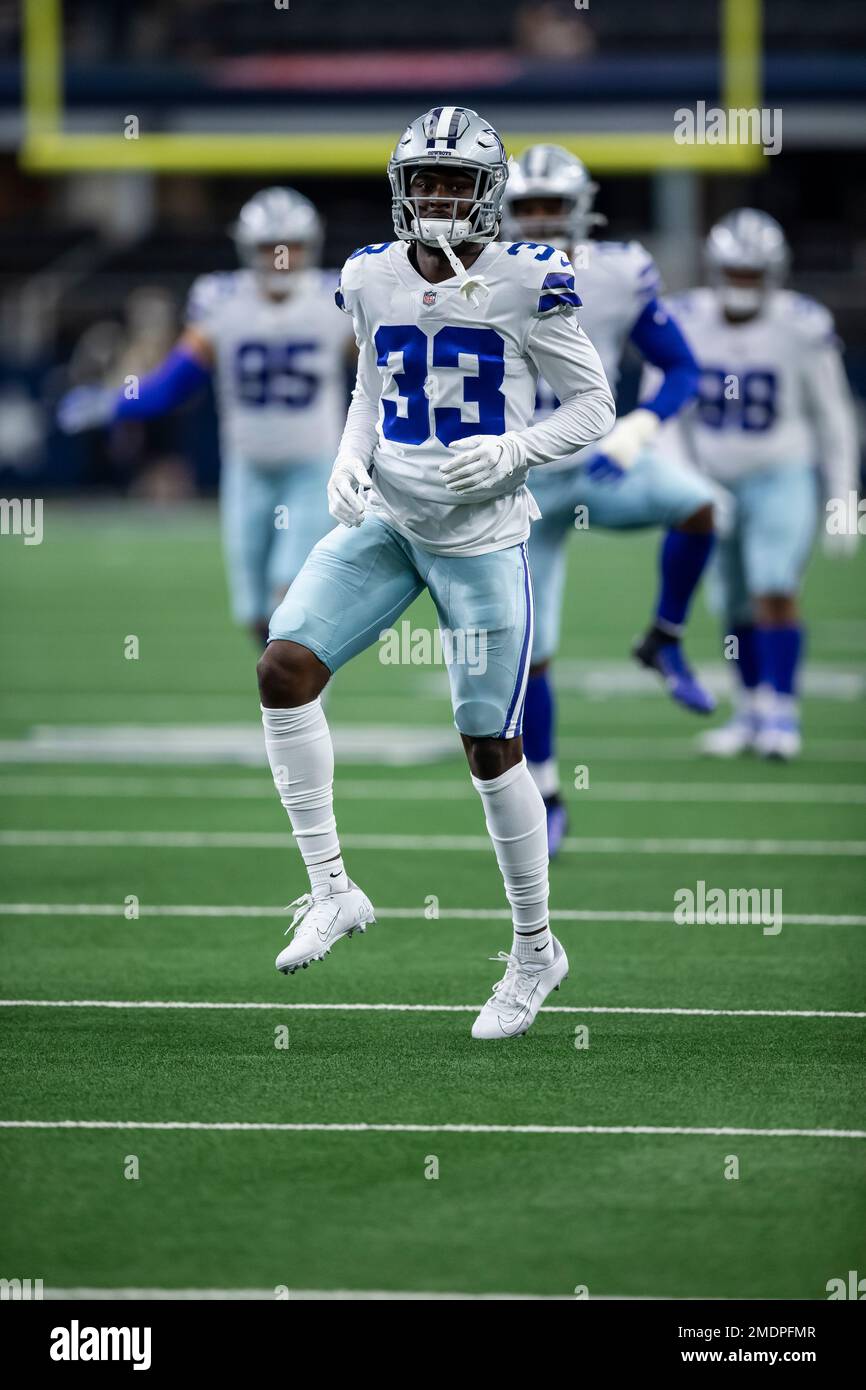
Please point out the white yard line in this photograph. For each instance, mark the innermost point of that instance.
(210, 839)
(584, 747)
(263, 1126)
(415, 1008)
(211, 911)
(326, 1295)
(260, 788)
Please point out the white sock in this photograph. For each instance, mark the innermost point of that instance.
(545, 776)
(301, 756)
(517, 824)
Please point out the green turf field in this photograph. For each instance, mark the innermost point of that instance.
(689, 1028)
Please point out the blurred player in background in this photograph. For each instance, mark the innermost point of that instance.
(453, 329)
(621, 481)
(278, 346)
(774, 401)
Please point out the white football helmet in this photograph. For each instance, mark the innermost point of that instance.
(459, 138)
(273, 218)
(549, 171)
(751, 241)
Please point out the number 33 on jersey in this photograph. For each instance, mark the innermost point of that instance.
(444, 369)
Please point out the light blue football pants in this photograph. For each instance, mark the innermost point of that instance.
(358, 581)
(653, 493)
(766, 545)
(271, 518)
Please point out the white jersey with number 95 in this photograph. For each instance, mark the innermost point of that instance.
(280, 365)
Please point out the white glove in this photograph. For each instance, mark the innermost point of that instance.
(480, 462)
(621, 447)
(85, 408)
(347, 485)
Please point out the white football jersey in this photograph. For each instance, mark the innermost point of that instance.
(436, 369)
(615, 281)
(280, 375)
(773, 392)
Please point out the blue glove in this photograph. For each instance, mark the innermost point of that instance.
(603, 469)
(85, 408)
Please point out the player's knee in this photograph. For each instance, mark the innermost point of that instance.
(700, 522)
(490, 757)
(289, 675)
(777, 609)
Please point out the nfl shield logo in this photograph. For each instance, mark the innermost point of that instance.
(429, 298)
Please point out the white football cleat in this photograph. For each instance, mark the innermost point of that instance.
(736, 737)
(518, 996)
(779, 739)
(319, 922)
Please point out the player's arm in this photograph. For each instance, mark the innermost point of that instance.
(183, 373)
(349, 476)
(561, 353)
(831, 408)
(659, 340)
(179, 377)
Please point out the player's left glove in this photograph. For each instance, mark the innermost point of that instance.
(85, 408)
(621, 447)
(347, 486)
(480, 462)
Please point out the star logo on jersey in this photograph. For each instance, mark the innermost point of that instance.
(430, 297)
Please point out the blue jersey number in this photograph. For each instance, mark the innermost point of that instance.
(408, 421)
(272, 374)
(728, 401)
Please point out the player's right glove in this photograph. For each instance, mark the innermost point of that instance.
(621, 447)
(85, 408)
(347, 485)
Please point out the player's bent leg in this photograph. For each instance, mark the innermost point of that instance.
(683, 558)
(660, 493)
(539, 719)
(303, 520)
(729, 599)
(351, 585)
(547, 563)
(779, 510)
(780, 644)
(247, 525)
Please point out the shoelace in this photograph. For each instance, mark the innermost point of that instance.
(302, 906)
(470, 285)
(517, 977)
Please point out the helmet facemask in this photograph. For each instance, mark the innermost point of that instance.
(277, 265)
(550, 226)
(471, 216)
(748, 258)
(277, 236)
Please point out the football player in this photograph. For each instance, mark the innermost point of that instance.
(430, 488)
(773, 402)
(622, 482)
(278, 347)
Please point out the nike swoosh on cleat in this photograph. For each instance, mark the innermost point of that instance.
(323, 936)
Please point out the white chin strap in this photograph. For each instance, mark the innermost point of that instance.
(741, 299)
(430, 230)
(470, 285)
